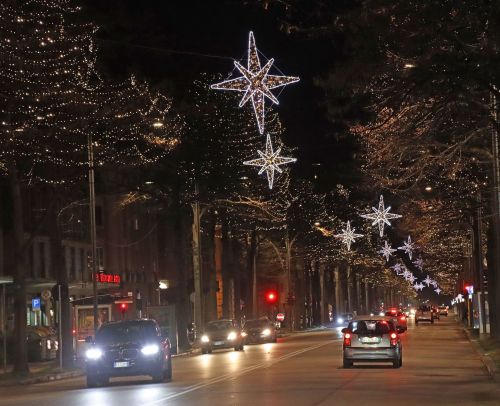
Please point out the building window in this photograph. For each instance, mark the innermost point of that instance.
(100, 258)
(98, 215)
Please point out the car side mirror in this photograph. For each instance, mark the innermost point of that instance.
(344, 330)
(89, 340)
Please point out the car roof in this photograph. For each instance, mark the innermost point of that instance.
(368, 317)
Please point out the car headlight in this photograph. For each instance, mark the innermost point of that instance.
(266, 332)
(243, 334)
(340, 320)
(93, 353)
(151, 349)
(205, 339)
(232, 336)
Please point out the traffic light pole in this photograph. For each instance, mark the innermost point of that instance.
(90, 147)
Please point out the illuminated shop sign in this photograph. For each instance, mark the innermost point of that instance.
(107, 278)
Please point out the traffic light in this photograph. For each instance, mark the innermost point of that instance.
(271, 297)
(123, 308)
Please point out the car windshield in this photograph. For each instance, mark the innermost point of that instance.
(424, 308)
(126, 332)
(219, 325)
(370, 327)
(256, 323)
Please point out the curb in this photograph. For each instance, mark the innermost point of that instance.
(485, 358)
(44, 378)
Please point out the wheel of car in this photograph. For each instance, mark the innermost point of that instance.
(92, 382)
(158, 376)
(242, 347)
(347, 363)
(401, 360)
(237, 348)
(209, 351)
(275, 339)
(416, 322)
(396, 363)
(204, 350)
(168, 372)
(432, 321)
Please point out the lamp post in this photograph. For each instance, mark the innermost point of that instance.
(90, 149)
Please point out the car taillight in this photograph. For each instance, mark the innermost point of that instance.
(403, 318)
(394, 338)
(347, 340)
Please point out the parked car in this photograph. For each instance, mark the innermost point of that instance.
(259, 330)
(128, 348)
(222, 334)
(372, 339)
(424, 313)
(398, 317)
(443, 310)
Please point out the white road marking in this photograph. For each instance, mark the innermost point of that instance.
(231, 376)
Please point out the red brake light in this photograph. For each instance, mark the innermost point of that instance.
(394, 338)
(347, 339)
(394, 335)
(403, 318)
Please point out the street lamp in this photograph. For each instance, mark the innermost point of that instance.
(428, 188)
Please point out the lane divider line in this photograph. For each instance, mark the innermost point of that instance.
(232, 376)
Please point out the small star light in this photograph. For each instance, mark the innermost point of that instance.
(427, 280)
(418, 286)
(256, 82)
(387, 251)
(437, 290)
(269, 161)
(419, 262)
(398, 268)
(408, 247)
(434, 283)
(381, 216)
(406, 274)
(348, 236)
(411, 278)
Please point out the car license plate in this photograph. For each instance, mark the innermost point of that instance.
(218, 342)
(370, 340)
(122, 364)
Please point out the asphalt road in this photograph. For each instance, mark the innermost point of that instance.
(440, 367)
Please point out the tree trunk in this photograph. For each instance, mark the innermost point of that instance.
(21, 367)
(209, 274)
(338, 292)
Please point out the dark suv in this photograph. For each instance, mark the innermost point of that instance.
(128, 348)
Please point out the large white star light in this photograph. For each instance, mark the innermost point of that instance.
(437, 290)
(256, 82)
(269, 161)
(348, 235)
(387, 251)
(428, 280)
(408, 247)
(381, 216)
(419, 262)
(418, 286)
(398, 268)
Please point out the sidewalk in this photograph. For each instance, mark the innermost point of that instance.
(489, 352)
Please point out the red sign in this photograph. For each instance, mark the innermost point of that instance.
(107, 278)
(280, 317)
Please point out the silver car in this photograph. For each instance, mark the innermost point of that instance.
(372, 339)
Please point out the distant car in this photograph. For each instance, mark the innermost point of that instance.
(128, 348)
(443, 310)
(435, 312)
(343, 319)
(259, 331)
(372, 339)
(424, 313)
(398, 317)
(222, 334)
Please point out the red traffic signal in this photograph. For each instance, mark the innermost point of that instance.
(123, 307)
(271, 297)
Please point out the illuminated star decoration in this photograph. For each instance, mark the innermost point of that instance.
(398, 268)
(348, 235)
(408, 247)
(387, 251)
(427, 280)
(269, 161)
(381, 216)
(434, 283)
(418, 286)
(256, 82)
(411, 278)
(437, 290)
(406, 274)
(419, 262)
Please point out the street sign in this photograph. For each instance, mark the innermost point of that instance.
(280, 317)
(35, 303)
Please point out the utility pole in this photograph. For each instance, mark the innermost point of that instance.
(197, 271)
(493, 298)
(93, 243)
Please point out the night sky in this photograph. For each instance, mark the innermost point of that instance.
(169, 43)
